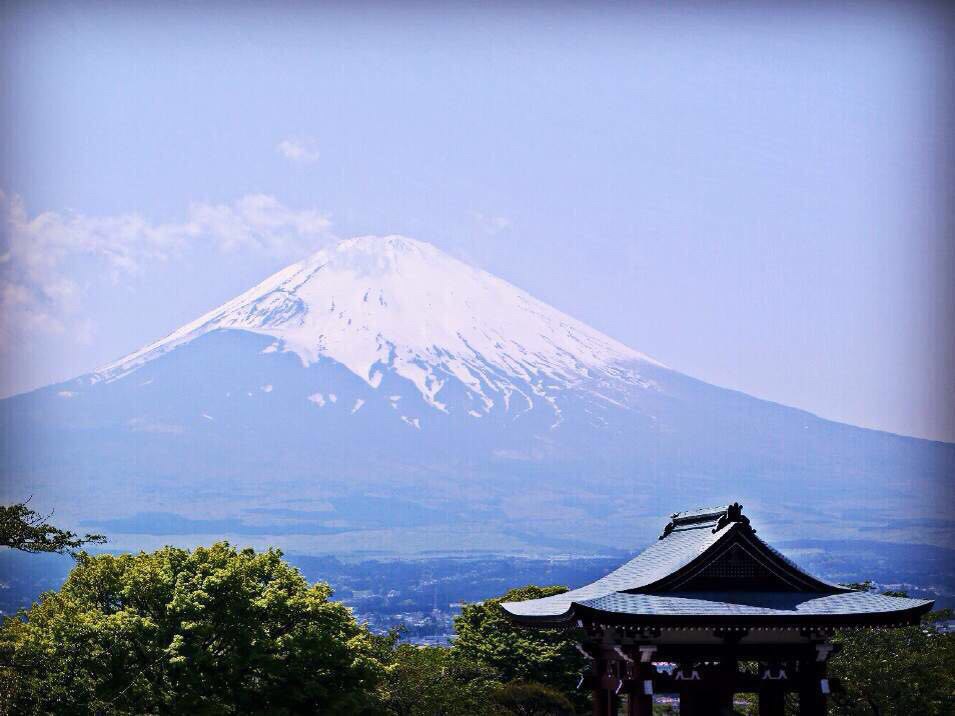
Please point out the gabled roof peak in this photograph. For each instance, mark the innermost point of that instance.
(709, 565)
(717, 517)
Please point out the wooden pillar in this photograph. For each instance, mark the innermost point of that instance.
(602, 702)
(607, 683)
(813, 688)
(600, 694)
(772, 701)
(613, 703)
(726, 688)
(713, 696)
(772, 691)
(691, 698)
(640, 703)
(693, 703)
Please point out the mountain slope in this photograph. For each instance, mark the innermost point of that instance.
(396, 304)
(381, 395)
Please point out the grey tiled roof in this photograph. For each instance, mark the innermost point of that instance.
(700, 513)
(660, 559)
(795, 566)
(688, 535)
(758, 604)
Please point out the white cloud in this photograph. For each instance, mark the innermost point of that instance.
(261, 223)
(491, 224)
(39, 292)
(299, 149)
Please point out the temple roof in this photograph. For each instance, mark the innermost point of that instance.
(709, 564)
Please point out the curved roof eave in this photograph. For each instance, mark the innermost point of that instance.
(860, 609)
(661, 559)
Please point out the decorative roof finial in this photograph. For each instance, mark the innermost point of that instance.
(734, 513)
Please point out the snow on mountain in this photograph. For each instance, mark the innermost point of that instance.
(393, 303)
(381, 395)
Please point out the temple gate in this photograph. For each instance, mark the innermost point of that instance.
(706, 612)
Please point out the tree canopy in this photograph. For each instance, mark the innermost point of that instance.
(427, 681)
(895, 671)
(218, 630)
(210, 631)
(24, 529)
(486, 636)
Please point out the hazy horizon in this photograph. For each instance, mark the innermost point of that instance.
(756, 199)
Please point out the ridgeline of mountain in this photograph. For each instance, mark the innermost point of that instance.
(381, 395)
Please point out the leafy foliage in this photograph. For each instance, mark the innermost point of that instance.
(891, 672)
(224, 631)
(895, 672)
(529, 699)
(426, 681)
(492, 667)
(211, 631)
(24, 529)
(434, 681)
(486, 636)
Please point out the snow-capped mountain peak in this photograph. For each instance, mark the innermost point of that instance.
(376, 304)
(381, 395)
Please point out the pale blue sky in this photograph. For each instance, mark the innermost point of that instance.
(756, 199)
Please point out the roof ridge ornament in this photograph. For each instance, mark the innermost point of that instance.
(701, 518)
(734, 513)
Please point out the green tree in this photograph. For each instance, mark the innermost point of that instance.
(485, 635)
(523, 698)
(426, 681)
(895, 672)
(209, 631)
(891, 672)
(24, 529)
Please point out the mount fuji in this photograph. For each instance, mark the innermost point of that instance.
(382, 396)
